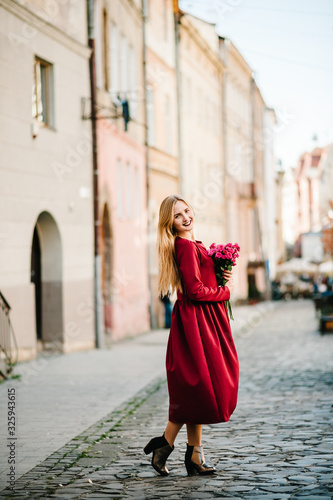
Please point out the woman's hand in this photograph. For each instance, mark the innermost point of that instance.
(230, 280)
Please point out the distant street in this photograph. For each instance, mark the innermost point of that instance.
(278, 443)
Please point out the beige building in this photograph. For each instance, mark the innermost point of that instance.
(273, 246)
(46, 247)
(249, 162)
(202, 162)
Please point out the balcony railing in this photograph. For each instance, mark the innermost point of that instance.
(8, 345)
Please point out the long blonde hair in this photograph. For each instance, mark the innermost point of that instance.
(169, 278)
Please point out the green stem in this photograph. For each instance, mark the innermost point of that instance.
(230, 310)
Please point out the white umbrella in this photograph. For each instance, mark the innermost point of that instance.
(297, 265)
(326, 267)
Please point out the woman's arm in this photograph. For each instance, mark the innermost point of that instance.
(188, 260)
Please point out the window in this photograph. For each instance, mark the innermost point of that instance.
(150, 116)
(199, 106)
(132, 82)
(168, 135)
(42, 95)
(128, 190)
(146, 8)
(191, 174)
(202, 176)
(105, 49)
(124, 64)
(119, 189)
(114, 61)
(98, 48)
(165, 18)
(207, 118)
(136, 193)
(189, 96)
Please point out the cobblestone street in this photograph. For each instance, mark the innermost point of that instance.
(277, 445)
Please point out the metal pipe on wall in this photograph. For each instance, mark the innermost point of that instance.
(98, 301)
(152, 313)
(177, 16)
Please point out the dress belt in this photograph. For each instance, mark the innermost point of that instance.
(183, 298)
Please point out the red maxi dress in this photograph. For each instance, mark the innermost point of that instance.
(201, 359)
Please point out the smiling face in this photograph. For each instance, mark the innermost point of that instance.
(183, 219)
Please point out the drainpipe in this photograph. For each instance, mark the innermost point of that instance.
(152, 313)
(255, 200)
(177, 16)
(98, 301)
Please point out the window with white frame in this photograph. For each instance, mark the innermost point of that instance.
(124, 64)
(189, 95)
(136, 193)
(165, 18)
(146, 8)
(120, 189)
(191, 173)
(199, 106)
(42, 93)
(128, 190)
(151, 116)
(98, 47)
(168, 132)
(114, 61)
(132, 82)
(202, 174)
(207, 120)
(105, 49)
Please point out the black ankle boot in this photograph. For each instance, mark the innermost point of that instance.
(161, 450)
(195, 461)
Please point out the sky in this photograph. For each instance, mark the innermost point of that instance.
(289, 45)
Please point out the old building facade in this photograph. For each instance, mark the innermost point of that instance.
(46, 178)
(178, 111)
(122, 167)
(201, 78)
(251, 202)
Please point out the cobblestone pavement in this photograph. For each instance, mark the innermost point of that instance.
(58, 396)
(278, 443)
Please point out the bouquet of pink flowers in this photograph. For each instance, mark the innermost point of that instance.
(224, 257)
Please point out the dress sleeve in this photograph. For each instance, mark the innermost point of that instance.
(188, 260)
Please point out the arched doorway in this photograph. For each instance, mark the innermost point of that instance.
(46, 274)
(107, 266)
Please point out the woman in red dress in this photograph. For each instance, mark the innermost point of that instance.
(201, 360)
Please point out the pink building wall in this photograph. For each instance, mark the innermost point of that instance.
(127, 310)
(308, 174)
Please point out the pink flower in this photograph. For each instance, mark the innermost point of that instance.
(229, 254)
